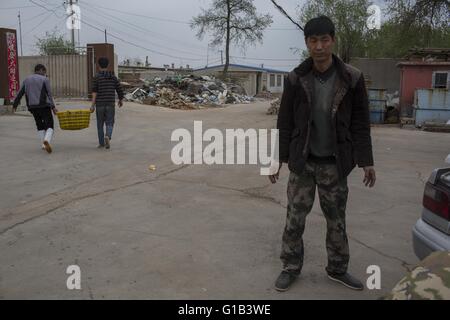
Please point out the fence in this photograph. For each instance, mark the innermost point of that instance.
(68, 73)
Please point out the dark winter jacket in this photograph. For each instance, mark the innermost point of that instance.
(349, 113)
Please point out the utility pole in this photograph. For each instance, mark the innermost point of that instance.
(20, 33)
(221, 56)
(106, 37)
(207, 56)
(72, 16)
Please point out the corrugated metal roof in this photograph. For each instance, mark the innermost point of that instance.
(258, 69)
(423, 63)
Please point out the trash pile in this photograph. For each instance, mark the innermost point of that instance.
(267, 95)
(274, 107)
(392, 108)
(188, 92)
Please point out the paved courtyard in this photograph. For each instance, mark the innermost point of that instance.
(188, 232)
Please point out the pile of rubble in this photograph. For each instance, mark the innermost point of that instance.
(274, 107)
(189, 92)
(266, 95)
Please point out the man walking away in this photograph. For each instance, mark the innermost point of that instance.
(104, 88)
(36, 89)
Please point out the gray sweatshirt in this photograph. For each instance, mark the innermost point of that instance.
(36, 89)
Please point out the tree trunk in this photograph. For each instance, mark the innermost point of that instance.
(227, 50)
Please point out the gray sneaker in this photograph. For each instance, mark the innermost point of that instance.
(284, 281)
(347, 280)
(107, 142)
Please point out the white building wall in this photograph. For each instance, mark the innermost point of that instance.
(275, 82)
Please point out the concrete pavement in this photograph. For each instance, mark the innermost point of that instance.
(187, 232)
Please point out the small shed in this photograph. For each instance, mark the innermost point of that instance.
(253, 79)
(429, 71)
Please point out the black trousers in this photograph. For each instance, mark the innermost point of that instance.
(43, 118)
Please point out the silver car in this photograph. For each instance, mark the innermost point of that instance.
(432, 231)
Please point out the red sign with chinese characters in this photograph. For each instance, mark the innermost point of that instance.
(13, 68)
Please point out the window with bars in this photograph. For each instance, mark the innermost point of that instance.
(279, 79)
(441, 80)
(272, 80)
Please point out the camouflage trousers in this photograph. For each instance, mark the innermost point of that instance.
(430, 280)
(333, 194)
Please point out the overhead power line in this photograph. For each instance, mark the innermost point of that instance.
(286, 14)
(166, 20)
(16, 8)
(146, 31)
(123, 22)
(265, 59)
(155, 44)
(44, 7)
(40, 23)
(139, 46)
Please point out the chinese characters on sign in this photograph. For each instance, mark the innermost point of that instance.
(13, 72)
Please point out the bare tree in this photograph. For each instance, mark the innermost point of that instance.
(283, 12)
(434, 13)
(231, 21)
(430, 16)
(350, 18)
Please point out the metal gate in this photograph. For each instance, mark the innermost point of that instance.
(69, 74)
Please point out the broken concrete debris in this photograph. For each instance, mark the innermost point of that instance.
(274, 107)
(188, 92)
(266, 95)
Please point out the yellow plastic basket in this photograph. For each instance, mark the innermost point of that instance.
(74, 119)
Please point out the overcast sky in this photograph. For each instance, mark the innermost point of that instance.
(158, 29)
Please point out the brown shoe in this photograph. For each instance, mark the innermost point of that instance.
(47, 146)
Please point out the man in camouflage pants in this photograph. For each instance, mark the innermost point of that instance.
(333, 199)
(324, 131)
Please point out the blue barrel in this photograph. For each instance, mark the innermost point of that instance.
(377, 116)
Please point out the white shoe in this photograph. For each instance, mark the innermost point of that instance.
(48, 139)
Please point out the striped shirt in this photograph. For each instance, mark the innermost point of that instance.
(105, 84)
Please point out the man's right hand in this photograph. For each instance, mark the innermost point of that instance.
(274, 178)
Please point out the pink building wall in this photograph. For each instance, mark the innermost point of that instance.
(416, 75)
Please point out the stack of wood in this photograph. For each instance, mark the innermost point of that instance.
(436, 127)
(426, 54)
